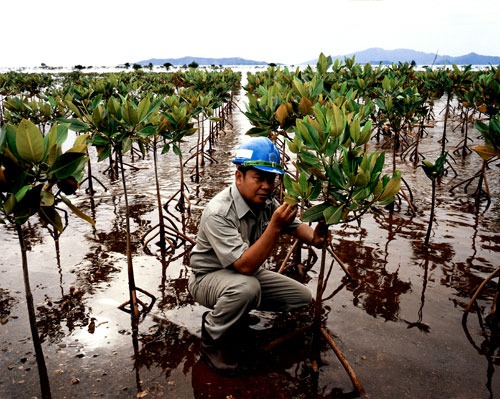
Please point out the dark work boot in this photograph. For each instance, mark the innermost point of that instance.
(216, 353)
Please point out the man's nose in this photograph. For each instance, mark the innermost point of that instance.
(268, 184)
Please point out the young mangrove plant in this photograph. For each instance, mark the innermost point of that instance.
(116, 125)
(433, 171)
(35, 177)
(489, 153)
(338, 181)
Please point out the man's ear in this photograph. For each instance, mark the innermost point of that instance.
(238, 176)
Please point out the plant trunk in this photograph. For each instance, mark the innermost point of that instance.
(134, 308)
(40, 360)
(318, 305)
(431, 218)
(161, 222)
(446, 112)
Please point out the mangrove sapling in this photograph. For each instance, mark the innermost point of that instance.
(398, 104)
(116, 124)
(433, 171)
(172, 126)
(467, 104)
(31, 167)
(336, 171)
(201, 105)
(489, 152)
(176, 124)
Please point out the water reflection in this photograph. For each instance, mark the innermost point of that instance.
(376, 289)
(59, 318)
(489, 347)
(6, 303)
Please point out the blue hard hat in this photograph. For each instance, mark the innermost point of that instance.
(259, 153)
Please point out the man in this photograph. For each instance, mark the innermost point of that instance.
(238, 230)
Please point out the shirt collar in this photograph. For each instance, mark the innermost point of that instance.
(240, 204)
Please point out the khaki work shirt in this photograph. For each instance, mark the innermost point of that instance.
(228, 226)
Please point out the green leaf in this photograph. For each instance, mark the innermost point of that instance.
(46, 198)
(143, 109)
(333, 214)
(146, 131)
(77, 211)
(19, 195)
(391, 188)
(130, 114)
(75, 124)
(80, 144)
(50, 215)
(50, 140)
(314, 213)
(303, 183)
(177, 150)
(338, 121)
(29, 142)
(309, 159)
(288, 183)
(9, 204)
(68, 164)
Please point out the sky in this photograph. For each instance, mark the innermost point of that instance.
(112, 32)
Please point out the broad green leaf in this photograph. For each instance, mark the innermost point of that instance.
(177, 150)
(46, 198)
(29, 142)
(259, 131)
(314, 213)
(126, 144)
(290, 200)
(10, 204)
(146, 131)
(80, 144)
(354, 131)
(333, 214)
(338, 121)
(50, 140)
(303, 183)
(75, 124)
(19, 195)
(143, 109)
(301, 128)
(316, 191)
(77, 211)
(130, 114)
(288, 183)
(69, 103)
(68, 164)
(50, 215)
(391, 189)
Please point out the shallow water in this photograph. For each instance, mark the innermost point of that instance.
(399, 323)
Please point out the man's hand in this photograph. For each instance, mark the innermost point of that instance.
(284, 216)
(321, 233)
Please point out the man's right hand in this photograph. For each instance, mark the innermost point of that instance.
(283, 216)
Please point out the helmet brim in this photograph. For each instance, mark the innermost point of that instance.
(270, 169)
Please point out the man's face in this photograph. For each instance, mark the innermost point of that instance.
(255, 186)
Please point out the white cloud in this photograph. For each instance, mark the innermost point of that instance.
(109, 32)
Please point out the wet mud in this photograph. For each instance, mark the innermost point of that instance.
(399, 321)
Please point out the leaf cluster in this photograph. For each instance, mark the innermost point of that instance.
(33, 166)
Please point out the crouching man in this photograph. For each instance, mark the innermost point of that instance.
(238, 231)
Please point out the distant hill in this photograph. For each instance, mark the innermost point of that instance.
(373, 56)
(378, 55)
(201, 61)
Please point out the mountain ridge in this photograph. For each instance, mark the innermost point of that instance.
(377, 55)
(374, 55)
